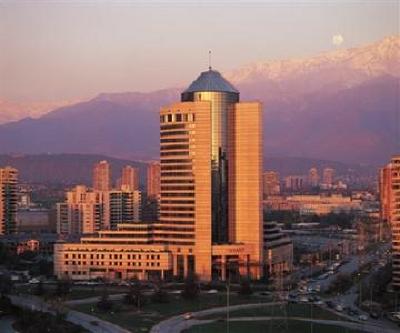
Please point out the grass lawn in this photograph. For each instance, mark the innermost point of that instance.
(292, 310)
(152, 313)
(268, 327)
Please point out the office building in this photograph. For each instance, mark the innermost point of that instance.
(81, 213)
(130, 178)
(328, 177)
(295, 183)
(313, 177)
(278, 249)
(8, 200)
(153, 180)
(271, 184)
(102, 176)
(121, 206)
(385, 192)
(210, 197)
(86, 211)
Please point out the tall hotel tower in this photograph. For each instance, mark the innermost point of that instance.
(211, 176)
(210, 202)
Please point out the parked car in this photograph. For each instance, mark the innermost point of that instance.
(339, 308)
(303, 299)
(374, 315)
(363, 317)
(212, 291)
(330, 304)
(176, 292)
(188, 316)
(34, 281)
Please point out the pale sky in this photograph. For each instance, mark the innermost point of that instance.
(56, 50)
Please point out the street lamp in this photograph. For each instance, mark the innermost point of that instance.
(228, 287)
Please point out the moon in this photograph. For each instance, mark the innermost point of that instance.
(337, 39)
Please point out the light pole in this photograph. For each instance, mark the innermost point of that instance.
(228, 287)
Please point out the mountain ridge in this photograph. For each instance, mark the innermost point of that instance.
(301, 117)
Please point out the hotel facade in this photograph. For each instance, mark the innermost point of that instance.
(210, 197)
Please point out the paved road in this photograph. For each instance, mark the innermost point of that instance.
(113, 297)
(79, 318)
(178, 323)
(350, 297)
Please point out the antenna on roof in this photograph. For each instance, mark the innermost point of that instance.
(209, 59)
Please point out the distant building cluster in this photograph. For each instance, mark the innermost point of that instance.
(389, 189)
(273, 185)
(86, 211)
(314, 204)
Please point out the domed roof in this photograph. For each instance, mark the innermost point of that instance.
(211, 81)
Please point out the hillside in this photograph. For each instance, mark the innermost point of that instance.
(343, 106)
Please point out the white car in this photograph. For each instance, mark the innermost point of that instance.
(188, 316)
(177, 292)
(212, 291)
(34, 281)
(339, 308)
(363, 317)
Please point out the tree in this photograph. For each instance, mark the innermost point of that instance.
(104, 303)
(6, 307)
(135, 295)
(245, 288)
(63, 287)
(191, 289)
(160, 296)
(341, 283)
(39, 291)
(6, 285)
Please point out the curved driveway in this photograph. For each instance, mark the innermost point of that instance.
(178, 323)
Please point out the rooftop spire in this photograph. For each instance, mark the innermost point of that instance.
(209, 59)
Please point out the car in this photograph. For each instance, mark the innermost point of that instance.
(362, 317)
(176, 292)
(352, 312)
(34, 281)
(394, 316)
(318, 302)
(303, 299)
(330, 304)
(374, 315)
(188, 316)
(212, 291)
(339, 308)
